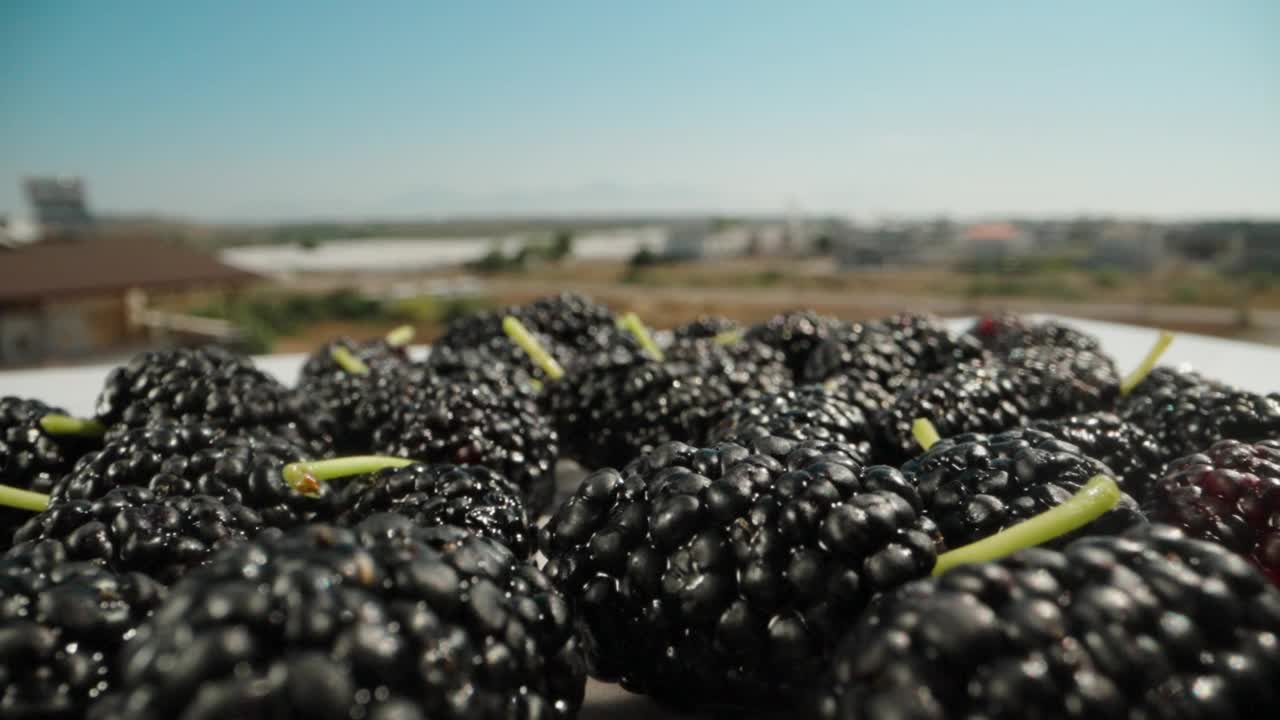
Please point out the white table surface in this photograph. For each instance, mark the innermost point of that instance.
(1245, 365)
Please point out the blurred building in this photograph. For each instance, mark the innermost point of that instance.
(995, 241)
(66, 297)
(705, 239)
(1129, 246)
(1253, 247)
(855, 249)
(58, 205)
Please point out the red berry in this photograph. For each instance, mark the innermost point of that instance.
(1230, 494)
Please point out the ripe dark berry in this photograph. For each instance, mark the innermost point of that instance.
(362, 403)
(467, 496)
(377, 355)
(171, 460)
(720, 575)
(804, 413)
(865, 353)
(870, 397)
(705, 327)
(896, 353)
(206, 386)
(1149, 626)
(568, 322)
(1000, 395)
(30, 457)
(130, 529)
(613, 405)
(1164, 385)
(928, 343)
(973, 485)
(61, 626)
(1136, 456)
(386, 620)
(796, 334)
(1003, 334)
(504, 366)
(1230, 494)
(750, 368)
(1187, 414)
(477, 424)
(495, 358)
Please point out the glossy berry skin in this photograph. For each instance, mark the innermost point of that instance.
(865, 353)
(31, 458)
(869, 397)
(749, 368)
(720, 575)
(1003, 334)
(568, 323)
(796, 334)
(929, 344)
(1230, 494)
(359, 403)
(1187, 418)
(499, 362)
(1164, 384)
(804, 413)
(496, 353)
(130, 529)
(183, 460)
(1133, 453)
(620, 402)
(467, 496)
(1000, 395)
(894, 352)
(385, 620)
(477, 424)
(363, 403)
(1154, 625)
(378, 355)
(705, 327)
(975, 485)
(617, 404)
(61, 625)
(206, 386)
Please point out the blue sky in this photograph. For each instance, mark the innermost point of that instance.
(255, 110)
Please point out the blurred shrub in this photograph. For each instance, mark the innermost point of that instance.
(266, 317)
(431, 310)
(644, 257)
(1109, 279)
(1185, 293)
(1021, 286)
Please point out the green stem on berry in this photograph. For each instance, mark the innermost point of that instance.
(23, 499)
(56, 424)
(1097, 496)
(527, 342)
(401, 336)
(729, 337)
(1135, 378)
(305, 477)
(348, 361)
(632, 324)
(925, 433)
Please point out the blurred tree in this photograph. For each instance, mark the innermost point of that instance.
(561, 245)
(644, 257)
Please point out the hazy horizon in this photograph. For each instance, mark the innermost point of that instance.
(293, 111)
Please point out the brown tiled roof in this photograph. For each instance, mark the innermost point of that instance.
(87, 266)
(992, 231)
